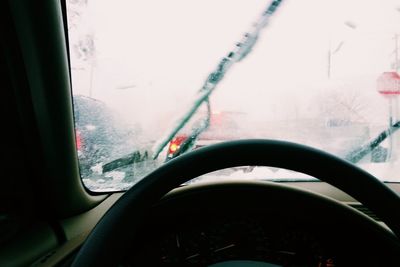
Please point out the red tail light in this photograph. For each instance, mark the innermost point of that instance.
(78, 140)
(176, 143)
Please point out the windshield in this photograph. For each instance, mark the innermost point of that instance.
(153, 80)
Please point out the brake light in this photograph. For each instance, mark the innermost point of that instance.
(173, 147)
(176, 143)
(78, 140)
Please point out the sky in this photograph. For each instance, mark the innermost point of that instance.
(151, 57)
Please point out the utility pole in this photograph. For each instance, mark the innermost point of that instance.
(91, 81)
(395, 108)
(396, 64)
(329, 60)
(349, 25)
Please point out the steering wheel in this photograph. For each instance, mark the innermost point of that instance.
(121, 223)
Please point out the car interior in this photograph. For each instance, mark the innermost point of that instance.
(49, 218)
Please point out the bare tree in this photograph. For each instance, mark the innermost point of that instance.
(344, 108)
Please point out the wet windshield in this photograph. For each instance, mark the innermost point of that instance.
(153, 80)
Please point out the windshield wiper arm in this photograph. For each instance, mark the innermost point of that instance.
(357, 154)
(240, 51)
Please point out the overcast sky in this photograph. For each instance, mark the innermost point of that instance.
(152, 56)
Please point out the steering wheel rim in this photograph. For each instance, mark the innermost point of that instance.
(118, 225)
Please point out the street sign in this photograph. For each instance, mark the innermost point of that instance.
(388, 84)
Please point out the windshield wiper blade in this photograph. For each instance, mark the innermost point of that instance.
(125, 161)
(357, 154)
(240, 51)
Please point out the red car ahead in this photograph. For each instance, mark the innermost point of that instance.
(223, 126)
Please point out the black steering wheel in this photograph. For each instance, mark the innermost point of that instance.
(106, 243)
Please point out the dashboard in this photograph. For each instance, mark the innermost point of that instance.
(243, 241)
(223, 225)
